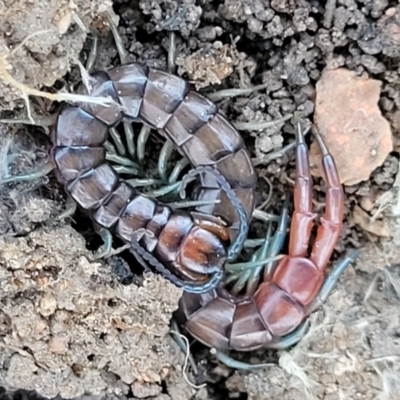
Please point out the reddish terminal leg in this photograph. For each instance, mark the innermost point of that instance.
(331, 224)
(303, 217)
(298, 276)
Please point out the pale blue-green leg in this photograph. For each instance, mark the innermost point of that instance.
(107, 239)
(191, 203)
(40, 172)
(182, 344)
(223, 94)
(118, 141)
(123, 55)
(267, 158)
(93, 52)
(264, 216)
(130, 139)
(137, 182)
(235, 364)
(254, 275)
(179, 167)
(172, 53)
(142, 141)
(331, 280)
(270, 248)
(110, 147)
(70, 209)
(258, 126)
(43, 121)
(122, 169)
(163, 159)
(292, 338)
(164, 190)
(252, 243)
(278, 240)
(115, 158)
(283, 343)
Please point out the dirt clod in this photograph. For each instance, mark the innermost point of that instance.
(352, 125)
(73, 320)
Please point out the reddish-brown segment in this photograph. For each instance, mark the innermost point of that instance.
(192, 249)
(280, 304)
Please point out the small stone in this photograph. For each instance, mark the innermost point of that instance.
(144, 390)
(349, 120)
(59, 344)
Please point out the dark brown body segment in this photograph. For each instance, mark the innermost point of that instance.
(193, 123)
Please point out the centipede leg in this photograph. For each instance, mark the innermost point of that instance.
(179, 167)
(107, 239)
(42, 171)
(123, 56)
(163, 159)
(122, 169)
(292, 338)
(70, 210)
(117, 140)
(117, 159)
(93, 52)
(172, 53)
(142, 141)
(331, 280)
(130, 139)
(43, 121)
(239, 365)
(278, 240)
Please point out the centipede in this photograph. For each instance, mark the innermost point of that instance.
(193, 249)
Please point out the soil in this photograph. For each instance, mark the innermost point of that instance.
(113, 341)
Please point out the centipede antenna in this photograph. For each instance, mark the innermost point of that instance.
(118, 40)
(142, 141)
(42, 171)
(163, 159)
(223, 94)
(118, 141)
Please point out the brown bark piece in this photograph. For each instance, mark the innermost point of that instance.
(350, 122)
